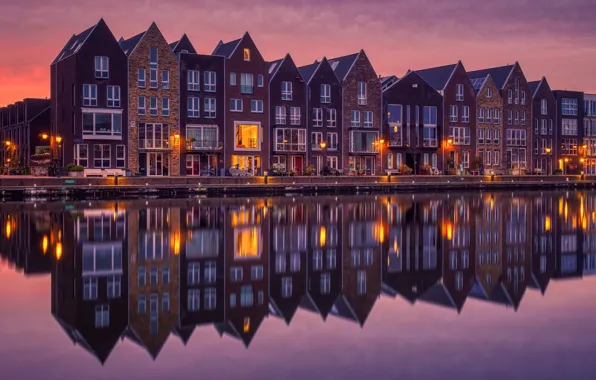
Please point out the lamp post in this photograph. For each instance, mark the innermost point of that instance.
(446, 144)
(380, 143)
(323, 146)
(59, 143)
(548, 150)
(565, 166)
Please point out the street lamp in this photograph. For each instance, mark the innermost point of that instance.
(323, 146)
(380, 144)
(44, 136)
(59, 142)
(565, 166)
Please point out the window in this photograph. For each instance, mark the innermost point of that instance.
(569, 107)
(193, 106)
(389, 160)
(102, 316)
(316, 138)
(544, 127)
(165, 79)
(209, 81)
(256, 106)
(142, 276)
(193, 80)
(368, 119)
(246, 296)
(193, 273)
(232, 79)
(332, 140)
(496, 116)
(236, 105)
(101, 155)
(98, 124)
(246, 83)
(516, 117)
(165, 301)
(210, 299)
(247, 54)
(120, 156)
(480, 136)
(509, 96)
(153, 77)
(465, 159)
(362, 93)
(153, 276)
(280, 115)
(113, 96)
(325, 93)
(460, 135)
(210, 272)
(153, 56)
(317, 117)
(361, 281)
(153, 136)
(363, 142)
(489, 92)
(429, 129)
(569, 127)
(465, 114)
(90, 288)
(165, 275)
(459, 92)
(453, 114)
(89, 95)
(331, 117)
(481, 115)
(286, 90)
(523, 97)
(510, 117)
(295, 115)
(260, 80)
(543, 107)
(209, 108)
(102, 67)
(248, 137)
(256, 272)
(325, 283)
(487, 158)
(523, 118)
(81, 155)
(153, 106)
(142, 78)
(141, 106)
(487, 116)
(355, 118)
(194, 300)
(286, 287)
(165, 107)
(142, 304)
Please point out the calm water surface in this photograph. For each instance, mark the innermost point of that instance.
(429, 286)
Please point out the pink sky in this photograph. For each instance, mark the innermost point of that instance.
(550, 38)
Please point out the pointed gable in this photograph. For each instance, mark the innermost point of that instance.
(287, 61)
(273, 67)
(130, 44)
(226, 49)
(342, 65)
(75, 42)
(183, 44)
(308, 71)
(437, 77)
(498, 74)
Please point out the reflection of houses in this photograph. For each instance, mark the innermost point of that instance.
(154, 245)
(588, 222)
(324, 251)
(457, 244)
(411, 262)
(246, 258)
(544, 231)
(287, 262)
(569, 260)
(361, 260)
(202, 275)
(88, 289)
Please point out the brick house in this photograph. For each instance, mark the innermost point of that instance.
(324, 104)
(287, 116)
(203, 110)
(413, 123)
(89, 100)
(26, 125)
(544, 114)
(247, 133)
(458, 149)
(489, 131)
(570, 150)
(360, 113)
(517, 113)
(590, 132)
(154, 133)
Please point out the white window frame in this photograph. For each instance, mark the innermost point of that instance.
(316, 138)
(193, 80)
(89, 95)
(280, 115)
(153, 111)
(256, 106)
(465, 114)
(193, 106)
(142, 106)
(286, 90)
(481, 115)
(355, 120)
(103, 160)
(332, 141)
(368, 123)
(543, 107)
(82, 161)
(153, 78)
(232, 79)
(459, 92)
(121, 157)
(113, 96)
(317, 120)
(247, 83)
(209, 108)
(142, 77)
(209, 81)
(325, 93)
(102, 316)
(295, 116)
(165, 79)
(362, 93)
(331, 118)
(453, 117)
(165, 106)
(102, 67)
(236, 102)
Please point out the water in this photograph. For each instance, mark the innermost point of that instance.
(431, 286)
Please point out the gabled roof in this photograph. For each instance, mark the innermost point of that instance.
(534, 86)
(183, 44)
(273, 66)
(387, 81)
(498, 74)
(228, 48)
(74, 43)
(309, 70)
(437, 77)
(478, 83)
(440, 295)
(184, 333)
(342, 65)
(130, 44)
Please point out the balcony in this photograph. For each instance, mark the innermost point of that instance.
(203, 145)
(430, 143)
(396, 141)
(154, 144)
(246, 89)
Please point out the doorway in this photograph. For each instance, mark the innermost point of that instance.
(155, 164)
(297, 164)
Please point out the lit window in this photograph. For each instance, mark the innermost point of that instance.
(247, 54)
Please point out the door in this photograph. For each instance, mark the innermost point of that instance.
(155, 163)
(370, 165)
(298, 164)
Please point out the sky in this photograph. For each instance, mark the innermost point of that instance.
(556, 39)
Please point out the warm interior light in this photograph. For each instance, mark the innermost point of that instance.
(8, 143)
(248, 242)
(44, 136)
(381, 141)
(176, 136)
(44, 244)
(322, 236)
(58, 251)
(547, 223)
(246, 325)
(8, 229)
(58, 139)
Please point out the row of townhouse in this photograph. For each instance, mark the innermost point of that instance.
(159, 108)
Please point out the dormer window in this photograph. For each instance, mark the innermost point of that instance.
(101, 67)
(247, 54)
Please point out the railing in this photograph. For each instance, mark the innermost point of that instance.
(154, 144)
(203, 145)
(289, 147)
(246, 89)
(363, 149)
(430, 143)
(396, 141)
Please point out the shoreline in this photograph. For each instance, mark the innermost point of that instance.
(22, 187)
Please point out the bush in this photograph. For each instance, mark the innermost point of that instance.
(558, 171)
(74, 168)
(310, 170)
(405, 169)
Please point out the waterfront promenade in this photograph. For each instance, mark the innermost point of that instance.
(15, 187)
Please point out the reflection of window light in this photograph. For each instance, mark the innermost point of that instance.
(44, 244)
(547, 223)
(247, 242)
(58, 251)
(246, 324)
(323, 236)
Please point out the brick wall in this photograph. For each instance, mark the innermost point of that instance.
(493, 102)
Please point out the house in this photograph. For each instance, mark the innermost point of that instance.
(89, 100)
(458, 151)
(569, 237)
(27, 129)
(324, 104)
(247, 134)
(589, 235)
(154, 278)
(590, 133)
(153, 108)
(287, 116)
(517, 112)
(246, 301)
(570, 150)
(413, 123)
(89, 278)
(360, 113)
(489, 132)
(544, 232)
(287, 262)
(544, 112)
(202, 118)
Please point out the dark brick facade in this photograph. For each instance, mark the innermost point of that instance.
(544, 115)
(489, 133)
(570, 150)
